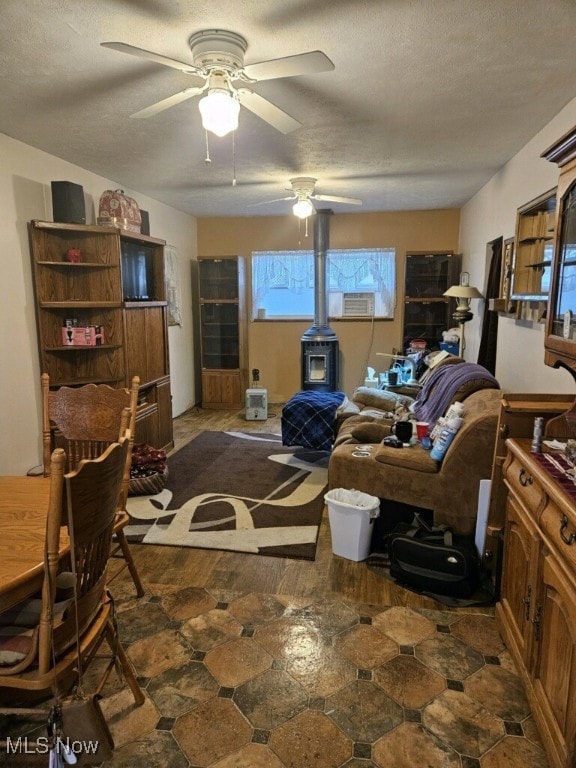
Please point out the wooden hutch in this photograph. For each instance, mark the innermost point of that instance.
(102, 315)
(537, 609)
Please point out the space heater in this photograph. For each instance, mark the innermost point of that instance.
(256, 400)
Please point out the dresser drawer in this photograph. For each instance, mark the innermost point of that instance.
(524, 485)
(559, 528)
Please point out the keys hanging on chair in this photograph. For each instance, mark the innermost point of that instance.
(54, 724)
(54, 729)
(55, 758)
(65, 753)
(60, 752)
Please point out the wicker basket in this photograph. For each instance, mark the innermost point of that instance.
(148, 486)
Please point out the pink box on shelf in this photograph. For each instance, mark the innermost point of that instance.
(83, 336)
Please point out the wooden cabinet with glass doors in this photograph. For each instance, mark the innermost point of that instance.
(222, 331)
(560, 340)
(427, 312)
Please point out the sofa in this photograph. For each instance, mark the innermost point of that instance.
(448, 488)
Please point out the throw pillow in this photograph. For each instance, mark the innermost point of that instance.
(16, 643)
(380, 398)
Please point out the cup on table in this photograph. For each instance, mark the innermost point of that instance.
(392, 378)
(422, 429)
(403, 431)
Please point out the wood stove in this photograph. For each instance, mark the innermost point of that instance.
(320, 352)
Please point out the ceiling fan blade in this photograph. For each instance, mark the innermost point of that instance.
(289, 66)
(171, 101)
(155, 57)
(277, 200)
(267, 111)
(332, 199)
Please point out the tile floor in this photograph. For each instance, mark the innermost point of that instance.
(272, 681)
(239, 678)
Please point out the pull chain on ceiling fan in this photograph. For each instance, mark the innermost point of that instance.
(218, 57)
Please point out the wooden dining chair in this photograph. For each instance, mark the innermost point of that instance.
(42, 640)
(85, 421)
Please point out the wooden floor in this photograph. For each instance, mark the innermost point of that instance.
(326, 576)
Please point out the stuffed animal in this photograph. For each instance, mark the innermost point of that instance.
(451, 336)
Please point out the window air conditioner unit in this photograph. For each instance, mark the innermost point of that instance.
(357, 305)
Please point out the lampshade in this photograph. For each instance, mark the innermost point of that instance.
(303, 209)
(463, 292)
(219, 110)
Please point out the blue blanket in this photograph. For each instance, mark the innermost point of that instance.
(309, 419)
(440, 388)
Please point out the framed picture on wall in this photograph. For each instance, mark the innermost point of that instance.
(173, 293)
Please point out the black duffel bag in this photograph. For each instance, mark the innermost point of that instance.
(433, 560)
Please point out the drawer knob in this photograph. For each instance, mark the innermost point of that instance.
(567, 539)
(525, 478)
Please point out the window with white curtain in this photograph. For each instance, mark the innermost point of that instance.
(360, 282)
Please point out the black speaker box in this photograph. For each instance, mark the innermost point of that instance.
(68, 203)
(145, 225)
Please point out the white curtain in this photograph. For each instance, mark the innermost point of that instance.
(281, 269)
(346, 270)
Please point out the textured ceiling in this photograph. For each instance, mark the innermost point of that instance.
(427, 100)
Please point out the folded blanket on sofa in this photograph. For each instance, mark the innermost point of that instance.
(309, 419)
(443, 386)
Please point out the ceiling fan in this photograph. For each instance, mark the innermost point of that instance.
(218, 57)
(303, 193)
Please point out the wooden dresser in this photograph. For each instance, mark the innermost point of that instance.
(537, 610)
(516, 419)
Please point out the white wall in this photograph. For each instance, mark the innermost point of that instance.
(25, 194)
(491, 213)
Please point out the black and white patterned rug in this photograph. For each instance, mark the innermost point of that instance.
(236, 491)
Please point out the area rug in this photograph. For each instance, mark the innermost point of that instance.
(237, 491)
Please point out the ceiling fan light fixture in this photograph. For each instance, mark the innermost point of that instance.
(302, 209)
(219, 110)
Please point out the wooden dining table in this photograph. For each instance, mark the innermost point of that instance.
(23, 511)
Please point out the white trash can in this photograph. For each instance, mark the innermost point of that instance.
(351, 514)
